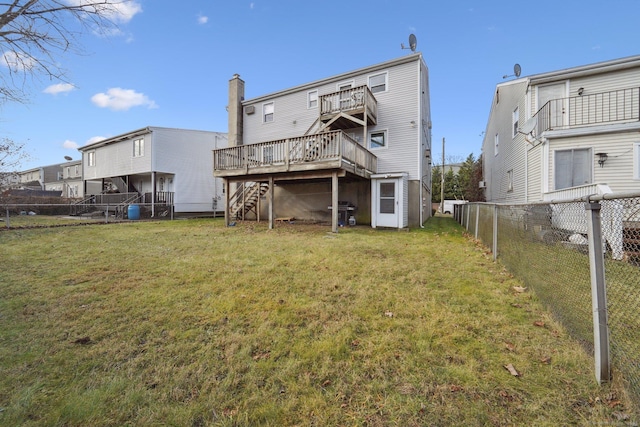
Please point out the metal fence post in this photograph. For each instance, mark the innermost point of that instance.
(495, 232)
(7, 223)
(477, 219)
(467, 211)
(598, 292)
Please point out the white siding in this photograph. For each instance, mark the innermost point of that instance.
(117, 159)
(534, 171)
(511, 153)
(187, 155)
(617, 171)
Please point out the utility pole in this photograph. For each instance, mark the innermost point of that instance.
(442, 181)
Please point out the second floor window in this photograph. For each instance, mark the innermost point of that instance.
(516, 118)
(378, 83)
(91, 158)
(312, 99)
(138, 147)
(267, 112)
(572, 168)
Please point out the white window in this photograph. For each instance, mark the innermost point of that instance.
(138, 147)
(572, 168)
(91, 158)
(516, 118)
(378, 83)
(77, 171)
(312, 99)
(378, 139)
(496, 144)
(510, 180)
(636, 160)
(267, 112)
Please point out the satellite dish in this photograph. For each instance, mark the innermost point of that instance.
(528, 127)
(413, 43)
(517, 70)
(68, 158)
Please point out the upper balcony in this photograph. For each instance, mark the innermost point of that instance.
(319, 152)
(618, 106)
(349, 108)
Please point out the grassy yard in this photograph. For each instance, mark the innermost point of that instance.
(191, 323)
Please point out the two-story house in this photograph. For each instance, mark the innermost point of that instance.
(564, 134)
(157, 167)
(68, 180)
(355, 147)
(37, 178)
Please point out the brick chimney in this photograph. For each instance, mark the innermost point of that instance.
(236, 96)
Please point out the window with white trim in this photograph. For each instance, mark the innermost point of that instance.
(636, 160)
(91, 158)
(267, 112)
(496, 144)
(572, 167)
(515, 118)
(138, 147)
(510, 180)
(378, 139)
(378, 82)
(312, 99)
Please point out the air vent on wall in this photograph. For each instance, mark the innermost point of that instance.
(249, 109)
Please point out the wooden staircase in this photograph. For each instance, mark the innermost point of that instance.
(245, 199)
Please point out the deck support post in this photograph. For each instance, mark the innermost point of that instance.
(334, 202)
(271, 199)
(226, 202)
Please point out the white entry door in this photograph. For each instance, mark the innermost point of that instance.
(387, 203)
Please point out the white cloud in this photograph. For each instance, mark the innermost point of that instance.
(118, 99)
(16, 61)
(70, 144)
(120, 11)
(59, 88)
(596, 47)
(252, 5)
(202, 19)
(94, 139)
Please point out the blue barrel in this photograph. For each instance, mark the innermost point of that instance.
(133, 212)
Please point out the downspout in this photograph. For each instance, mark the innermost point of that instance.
(421, 152)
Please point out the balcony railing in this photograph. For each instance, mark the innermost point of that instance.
(587, 110)
(318, 151)
(358, 99)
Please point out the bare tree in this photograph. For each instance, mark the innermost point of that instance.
(34, 33)
(11, 155)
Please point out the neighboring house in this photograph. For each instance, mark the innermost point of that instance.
(155, 166)
(353, 145)
(68, 180)
(564, 134)
(37, 178)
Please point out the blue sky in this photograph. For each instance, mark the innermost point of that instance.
(171, 62)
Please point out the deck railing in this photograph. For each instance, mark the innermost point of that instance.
(326, 146)
(357, 98)
(616, 106)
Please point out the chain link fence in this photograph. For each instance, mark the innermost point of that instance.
(29, 215)
(567, 252)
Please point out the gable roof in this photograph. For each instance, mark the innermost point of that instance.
(586, 70)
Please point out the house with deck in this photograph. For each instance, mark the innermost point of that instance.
(351, 148)
(158, 168)
(565, 135)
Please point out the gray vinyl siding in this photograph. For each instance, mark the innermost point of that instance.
(397, 107)
(117, 159)
(511, 150)
(187, 155)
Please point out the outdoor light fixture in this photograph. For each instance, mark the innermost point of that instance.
(580, 91)
(602, 157)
